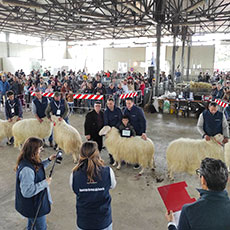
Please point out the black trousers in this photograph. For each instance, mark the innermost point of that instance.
(98, 139)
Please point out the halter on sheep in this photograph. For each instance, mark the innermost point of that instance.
(132, 150)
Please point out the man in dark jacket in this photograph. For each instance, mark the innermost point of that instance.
(94, 122)
(112, 118)
(212, 210)
(137, 120)
(212, 122)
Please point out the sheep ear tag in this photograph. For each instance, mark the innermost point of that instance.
(54, 123)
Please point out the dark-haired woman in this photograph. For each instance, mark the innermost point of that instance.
(31, 182)
(91, 182)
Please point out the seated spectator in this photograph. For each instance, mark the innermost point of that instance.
(125, 128)
(226, 96)
(212, 210)
(111, 90)
(214, 91)
(125, 86)
(49, 89)
(65, 89)
(99, 90)
(220, 91)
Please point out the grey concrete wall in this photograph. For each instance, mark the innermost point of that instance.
(129, 55)
(202, 58)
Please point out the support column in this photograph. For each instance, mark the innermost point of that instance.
(182, 59)
(7, 44)
(173, 57)
(188, 58)
(158, 58)
(42, 47)
(66, 50)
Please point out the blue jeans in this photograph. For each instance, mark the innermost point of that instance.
(39, 225)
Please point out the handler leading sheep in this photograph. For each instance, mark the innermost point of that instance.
(13, 110)
(212, 122)
(39, 105)
(137, 120)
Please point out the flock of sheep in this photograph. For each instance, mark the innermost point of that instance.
(183, 154)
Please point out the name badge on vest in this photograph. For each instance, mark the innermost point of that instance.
(12, 110)
(126, 133)
(58, 113)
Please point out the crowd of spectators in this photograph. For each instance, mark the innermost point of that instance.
(70, 82)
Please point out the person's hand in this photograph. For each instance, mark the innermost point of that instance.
(19, 118)
(52, 157)
(169, 216)
(48, 180)
(207, 138)
(10, 119)
(88, 137)
(60, 118)
(225, 140)
(50, 119)
(40, 120)
(144, 136)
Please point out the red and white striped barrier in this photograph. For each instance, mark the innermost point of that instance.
(88, 96)
(126, 95)
(221, 103)
(75, 96)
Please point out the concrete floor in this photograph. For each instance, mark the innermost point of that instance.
(136, 203)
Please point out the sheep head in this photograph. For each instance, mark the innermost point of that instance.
(105, 130)
(55, 119)
(219, 137)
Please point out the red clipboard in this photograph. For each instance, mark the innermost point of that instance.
(175, 196)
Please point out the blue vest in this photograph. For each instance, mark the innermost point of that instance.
(28, 206)
(93, 200)
(13, 104)
(55, 105)
(212, 123)
(41, 106)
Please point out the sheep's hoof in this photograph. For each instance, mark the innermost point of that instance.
(153, 169)
(118, 167)
(75, 161)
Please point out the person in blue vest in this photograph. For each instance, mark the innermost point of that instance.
(212, 210)
(58, 107)
(31, 183)
(39, 105)
(112, 118)
(137, 120)
(212, 122)
(91, 182)
(13, 107)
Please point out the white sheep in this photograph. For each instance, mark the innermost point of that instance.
(227, 155)
(67, 137)
(6, 128)
(185, 155)
(31, 127)
(132, 150)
